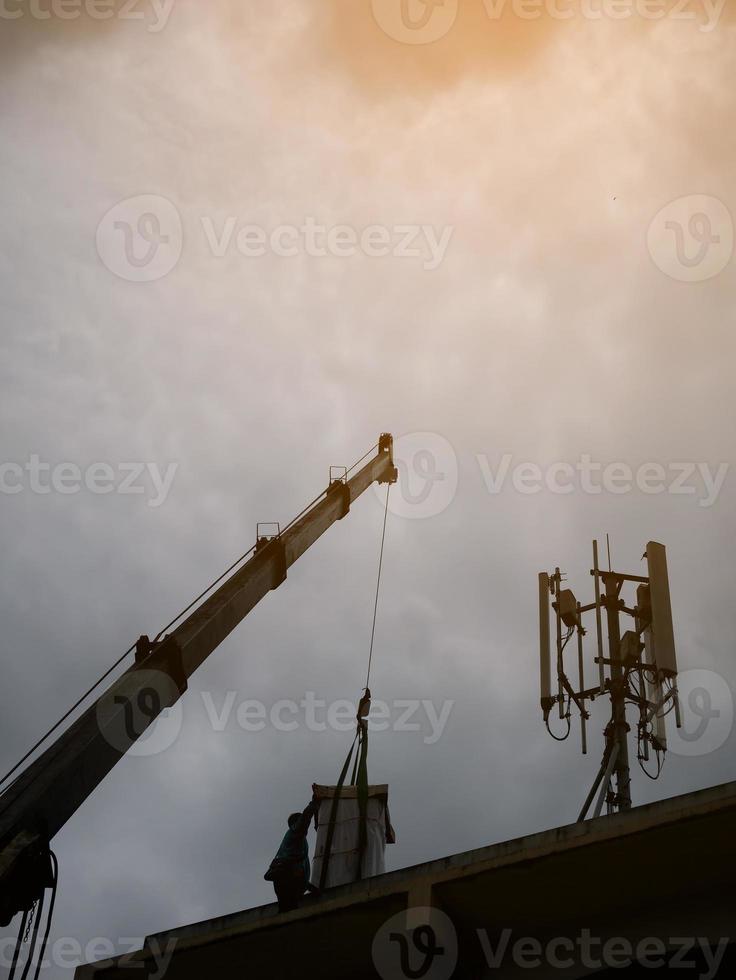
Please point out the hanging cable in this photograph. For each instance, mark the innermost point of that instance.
(29, 920)
(55, 866)
(568, 636)
(32, 917)
(646, 772)
(34, 937)
(378, 588)
(561, 738)
(18, 944)
(561, 674)
(359, 777)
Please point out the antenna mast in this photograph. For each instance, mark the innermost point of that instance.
(640, 669)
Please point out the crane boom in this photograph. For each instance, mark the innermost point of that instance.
(52, 787)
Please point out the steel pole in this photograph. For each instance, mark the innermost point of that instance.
(618, 694)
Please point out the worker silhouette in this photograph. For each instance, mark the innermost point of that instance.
(289, 871)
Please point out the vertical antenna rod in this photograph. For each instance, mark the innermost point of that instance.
(613, 585)
(598, 628)
(544, 642)
(581, 674)
(560, 688)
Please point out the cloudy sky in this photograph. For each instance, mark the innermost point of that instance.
(242, 239)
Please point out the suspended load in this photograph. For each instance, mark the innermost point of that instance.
(358, 841)
(353, 823)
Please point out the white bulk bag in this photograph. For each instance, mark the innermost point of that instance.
(343, 862)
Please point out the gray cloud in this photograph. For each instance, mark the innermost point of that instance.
(547, 332)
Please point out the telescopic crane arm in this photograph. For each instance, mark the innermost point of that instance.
(52, 787)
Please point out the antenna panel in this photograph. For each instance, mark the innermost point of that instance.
(663, 634)
(544, 639)
(655, 693)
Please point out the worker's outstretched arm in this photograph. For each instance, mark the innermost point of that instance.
(306, 818)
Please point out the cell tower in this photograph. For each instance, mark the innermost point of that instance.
(640, 669)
